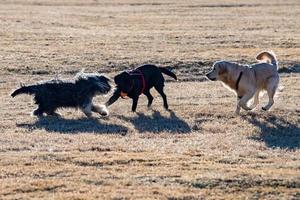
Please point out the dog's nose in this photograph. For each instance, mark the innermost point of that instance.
(209, 78)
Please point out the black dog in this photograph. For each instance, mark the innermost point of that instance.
(76, 93)
(140, 81)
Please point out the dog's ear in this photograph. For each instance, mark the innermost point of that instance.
(121, 78)
(222, 69)
(118, 79)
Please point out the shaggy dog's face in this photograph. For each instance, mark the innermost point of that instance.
(124, 82)
(94, 83)
(103, 83)
(219, 69)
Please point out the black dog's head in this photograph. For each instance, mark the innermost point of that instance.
(93, 82)
(124, 82)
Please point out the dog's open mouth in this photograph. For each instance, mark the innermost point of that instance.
(211, 79)
(208, 76)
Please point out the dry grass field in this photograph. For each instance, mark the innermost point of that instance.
(199, 150)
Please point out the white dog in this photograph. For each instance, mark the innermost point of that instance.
(248, 81)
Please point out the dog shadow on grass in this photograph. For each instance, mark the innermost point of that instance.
(157, 123)
(74, 126)
(275, 131)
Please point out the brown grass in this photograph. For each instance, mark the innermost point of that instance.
(199, 150)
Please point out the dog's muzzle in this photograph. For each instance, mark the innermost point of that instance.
(209, 78)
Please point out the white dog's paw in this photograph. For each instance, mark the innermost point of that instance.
(103, 110)
(280, 88)
(264, 108)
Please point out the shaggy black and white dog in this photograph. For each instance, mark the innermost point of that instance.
(76, 93)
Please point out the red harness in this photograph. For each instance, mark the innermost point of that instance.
(135, 72)
(138, 72)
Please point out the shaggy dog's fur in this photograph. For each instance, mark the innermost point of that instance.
(248, 81)
(140, 81)
(77, 93)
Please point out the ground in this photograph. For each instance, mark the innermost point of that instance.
(200, 149)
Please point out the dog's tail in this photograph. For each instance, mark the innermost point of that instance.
(168, 71)
(25, 90)
(268, 56)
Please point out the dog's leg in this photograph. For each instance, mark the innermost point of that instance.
(238, 108)
(38, 112)
(271, 89)
(150, 98)
(271, 100)
(87, 109)
(256, 100)
(102, 110)
(134, 103)
(113, 98)
(160, 90)
(243, 101)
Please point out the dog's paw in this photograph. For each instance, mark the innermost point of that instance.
(149, 108)
(133, 111)
(88, 114)
(237, 111)
(247, 108)
(103, 111)
(38, 115)
(264, 109)
(237, 114)
(169, 110)
(54, 114)
(104, 114)
(252, 106)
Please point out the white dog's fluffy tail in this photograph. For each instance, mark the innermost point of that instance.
(267, 56)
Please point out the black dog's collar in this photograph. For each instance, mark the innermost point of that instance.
(238, 81)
